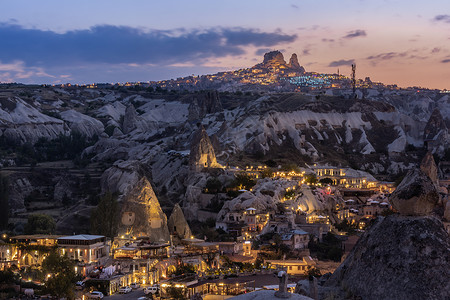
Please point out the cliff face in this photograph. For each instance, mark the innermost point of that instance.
(202, 152)
(141, 214)
(398, 258)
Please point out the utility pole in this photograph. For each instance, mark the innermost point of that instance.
(354, 80)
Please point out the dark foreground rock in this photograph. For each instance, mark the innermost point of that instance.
(399, 257)
(416, 195)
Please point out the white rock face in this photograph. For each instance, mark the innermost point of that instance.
(81, 123)
(21, 122)
(121, 177)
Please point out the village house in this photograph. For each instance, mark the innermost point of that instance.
(32, 249)
(293, 267)
(84, 247)
(8, 255)
(296, 239)
(346, 177)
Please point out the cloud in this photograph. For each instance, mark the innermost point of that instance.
(355, 34)
(442, 18)
(294, 6)
(262, 51)
(127, 45)
(342, 62)
(447, 60)
(436, 50)
(386, 56)
(18, 71)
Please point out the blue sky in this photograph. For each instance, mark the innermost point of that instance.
(404, 42)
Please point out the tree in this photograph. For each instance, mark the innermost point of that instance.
(40, 224)
(271, 163)
(267, 173)
(313, 271)
(311, 178)
(105, 217)
(61, 276)
(213, 185)
(4, 202)
(176, 292)
(243, 181)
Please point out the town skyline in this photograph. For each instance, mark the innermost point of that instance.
(394, 42)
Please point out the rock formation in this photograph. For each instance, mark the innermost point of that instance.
(202, 104)
(129, 119)
(416, 195)
(21, 122)
(294, 64)
(202, 152)
(273, 59)
(435, 136)
(122, 176)
(177, 224)
(434, 125)
(141, 214)
(81, 123)
(428, 166)
(397, 258)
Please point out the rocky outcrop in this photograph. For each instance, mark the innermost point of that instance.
(434, 126)
(202, 152)
(62, 189)
(19, 189)
(81, 123)
(122, 176)
(416, 195)
(273, 59)
(129, 119)
(21, 122)
(202, 104)
(436, 137)
(177, 224)
(397, 258)
(141, 214)
(428, 166)
(294, 64)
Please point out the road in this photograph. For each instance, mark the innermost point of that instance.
(132, 295)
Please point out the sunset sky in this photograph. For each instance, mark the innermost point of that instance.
(405, 41)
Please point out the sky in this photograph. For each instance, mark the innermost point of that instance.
(404, 42)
